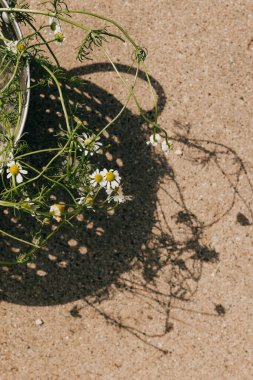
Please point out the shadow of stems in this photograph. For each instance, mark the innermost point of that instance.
(135, 249)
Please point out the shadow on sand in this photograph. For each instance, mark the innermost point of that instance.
(83, 262)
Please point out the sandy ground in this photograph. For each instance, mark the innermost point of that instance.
(163, 288)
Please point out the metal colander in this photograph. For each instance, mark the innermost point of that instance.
(11, 30)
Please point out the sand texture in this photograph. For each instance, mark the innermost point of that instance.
(162, 289)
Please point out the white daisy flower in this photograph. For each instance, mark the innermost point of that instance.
(112, 179)
(12, 46)
(15, 46)
(90, 144)
(97, 178)
(88, 201)
(15, 171)
(154, 139)
(57, 210)
(119, 196)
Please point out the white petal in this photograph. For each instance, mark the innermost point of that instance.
(157, 137)
(114, 184)
(19, 178)
(154, 139)
(5, 17)
(165, 147)
(109, 191)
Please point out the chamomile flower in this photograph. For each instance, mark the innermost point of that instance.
(90, 144)
(15, 171)
(119, 196)
(57, 210)
(97, 179)
(87, 201)
(154, 139)
(15, 46)
(112, 179)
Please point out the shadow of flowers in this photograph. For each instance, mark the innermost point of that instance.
(137, 249)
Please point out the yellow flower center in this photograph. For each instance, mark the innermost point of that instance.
(88, 141)
(60, 207)
(14, 169)
(89, 200)
(20, 47)
(98, 177)
(110, 176)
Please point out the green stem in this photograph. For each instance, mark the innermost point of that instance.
(111, 21)
(52, 180)
(14, 73)
(61, 97)
(18, 239)
(37, 152)
(46, 43)
(44, 13)
(69, 21)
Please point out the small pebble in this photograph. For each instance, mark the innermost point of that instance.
(178, 152)
(39, 322)
(41, 273)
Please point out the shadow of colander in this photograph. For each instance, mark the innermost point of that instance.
(88, 258)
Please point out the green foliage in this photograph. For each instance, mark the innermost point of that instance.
(95, 38)
(22, 18)
(65, 170)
